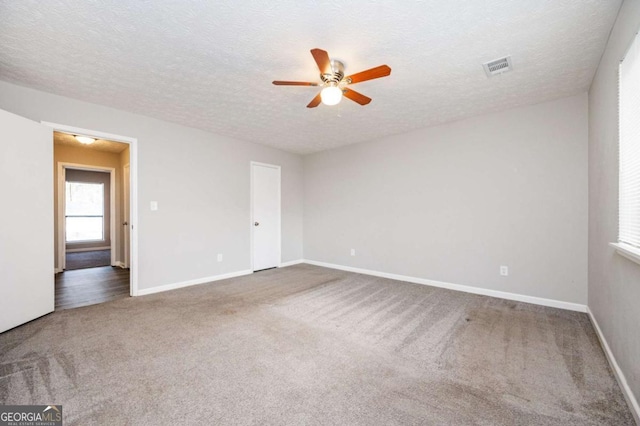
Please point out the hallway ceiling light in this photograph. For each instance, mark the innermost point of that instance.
(85, 139)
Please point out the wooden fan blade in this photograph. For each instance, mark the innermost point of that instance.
(370, 74)
(322, 59)
(315, 101)
(355, 96)
(294, 83)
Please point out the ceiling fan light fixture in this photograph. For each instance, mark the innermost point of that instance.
(331, 95)
(334, 82)
(85, 139)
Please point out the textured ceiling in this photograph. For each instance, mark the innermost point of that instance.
(210, 65)
(65, 139)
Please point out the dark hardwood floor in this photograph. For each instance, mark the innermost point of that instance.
(88, 259)
(84, 287)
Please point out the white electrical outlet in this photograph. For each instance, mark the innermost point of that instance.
(219, 257)
(353, 252)
(154, 206)
(504, 271)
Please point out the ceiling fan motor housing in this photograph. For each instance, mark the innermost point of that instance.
(338, 73)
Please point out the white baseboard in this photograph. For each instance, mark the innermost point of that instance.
(458, 287)
(79, 250)
(291, 263)
(622, 381)
(57, 270)
(167, 287)
(119, 264)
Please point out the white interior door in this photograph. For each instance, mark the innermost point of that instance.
(26, 219)
(265, 221)
(126, 216)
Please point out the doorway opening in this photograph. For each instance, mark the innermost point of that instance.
(92, 219)
(88, 217)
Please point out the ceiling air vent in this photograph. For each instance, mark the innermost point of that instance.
(498, 66)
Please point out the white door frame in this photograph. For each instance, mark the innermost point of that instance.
(126, 189)
(61, 202)
(133, 193)
(251, 229)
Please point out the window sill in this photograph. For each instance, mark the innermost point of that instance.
(84, 242)
(627, 251)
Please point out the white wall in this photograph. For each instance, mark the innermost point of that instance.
(200, 180)
(614, 281)
(452, 203)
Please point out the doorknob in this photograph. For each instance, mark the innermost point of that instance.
(256, 223)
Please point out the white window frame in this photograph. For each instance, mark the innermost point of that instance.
(627, 244)
(98, 240)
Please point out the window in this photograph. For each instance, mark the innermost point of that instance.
(84, 211)
(629, 195)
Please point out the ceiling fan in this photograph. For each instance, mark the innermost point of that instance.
(335, 83)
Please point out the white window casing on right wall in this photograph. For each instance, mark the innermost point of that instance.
(628, 243)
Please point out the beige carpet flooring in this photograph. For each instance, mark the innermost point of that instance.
(315, 346)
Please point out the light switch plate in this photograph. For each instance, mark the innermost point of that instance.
(154, 206)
